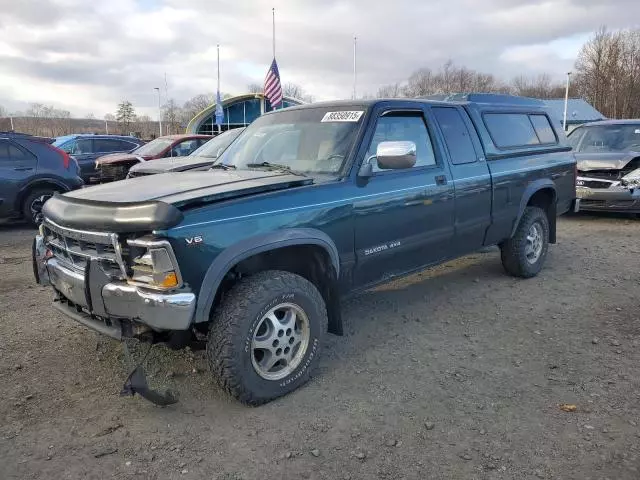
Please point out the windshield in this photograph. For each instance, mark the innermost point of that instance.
(58, 142)
(154, 147)
(309, 140)
(214, 147)
(608, 138)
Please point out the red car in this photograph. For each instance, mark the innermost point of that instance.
(116, 166)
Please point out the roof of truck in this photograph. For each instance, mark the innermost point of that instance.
(458, 99)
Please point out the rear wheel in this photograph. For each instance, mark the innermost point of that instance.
(523, 255)
(266, 336)
(33, 202)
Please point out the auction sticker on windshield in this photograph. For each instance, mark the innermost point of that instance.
(345, 116)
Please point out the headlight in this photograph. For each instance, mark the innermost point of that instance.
(155, 265)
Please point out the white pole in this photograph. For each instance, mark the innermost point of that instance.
(566, 102)
(106, 126)
(219, 126)
(273, 16)
(159, 110)
(355, 75)
(11, 119)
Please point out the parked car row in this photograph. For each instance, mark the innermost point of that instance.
(607, 152)
(33, 169)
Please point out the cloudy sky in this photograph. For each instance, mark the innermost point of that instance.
(86, 56)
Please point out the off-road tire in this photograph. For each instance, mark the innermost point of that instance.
(229, 349)
(514, 259)
(28, 201)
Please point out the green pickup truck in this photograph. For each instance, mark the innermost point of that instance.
(308, 205)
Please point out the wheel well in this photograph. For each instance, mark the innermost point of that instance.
(311, 262)
(545, 199)
(36, 186)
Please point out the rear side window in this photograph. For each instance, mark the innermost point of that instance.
(106, 145)
(543, 128)
(456, 135)
(9, 151)
(511, 129)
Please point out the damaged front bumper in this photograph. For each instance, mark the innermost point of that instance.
(113, 308)
(608, 196)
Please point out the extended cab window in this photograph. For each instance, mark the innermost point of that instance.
(511, 129)
(456, 135)
(404, 126)
(543, 128)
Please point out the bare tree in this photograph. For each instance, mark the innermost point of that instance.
(255, 88)
(608, 72)
(171, 115)
(195, 105)
(390, 91)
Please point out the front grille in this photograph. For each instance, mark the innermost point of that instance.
(75, 248)
(110, 173)
(612, 175)
(594, 184)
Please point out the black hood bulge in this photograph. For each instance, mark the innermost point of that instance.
(153, 202)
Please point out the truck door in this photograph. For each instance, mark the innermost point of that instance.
(403, 218)
(16, 167)
(471, 178)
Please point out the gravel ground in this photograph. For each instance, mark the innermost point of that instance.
(456, 372)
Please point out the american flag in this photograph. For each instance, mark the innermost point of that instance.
(272, 87)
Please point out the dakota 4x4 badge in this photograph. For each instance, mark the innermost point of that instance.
(381, 248)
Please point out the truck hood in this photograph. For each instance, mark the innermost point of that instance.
(120, 157)
(152, 203)
(171, 164)
(604, 161)
(179, 188)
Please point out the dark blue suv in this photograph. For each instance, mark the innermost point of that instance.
(31, 171)
(86, 148)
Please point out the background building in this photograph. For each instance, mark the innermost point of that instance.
(579, 111)
(239, 111)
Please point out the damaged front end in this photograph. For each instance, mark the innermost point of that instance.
(609, 189)
(118, 283)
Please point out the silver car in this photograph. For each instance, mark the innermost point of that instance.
(608, 156)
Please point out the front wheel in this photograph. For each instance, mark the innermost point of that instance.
(32, 205)
(266, 336)
(523, 255)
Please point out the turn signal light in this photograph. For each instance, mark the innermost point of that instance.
(170, 280)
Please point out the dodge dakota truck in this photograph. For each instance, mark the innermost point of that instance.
(308, 205)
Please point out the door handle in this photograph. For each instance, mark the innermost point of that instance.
(23, 169)
(441, 180)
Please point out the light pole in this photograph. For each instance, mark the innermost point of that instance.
(566, 102)
(355, 73)
(159, 110)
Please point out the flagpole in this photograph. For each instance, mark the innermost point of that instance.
(355, 75)
(273, 35)
(218, 95)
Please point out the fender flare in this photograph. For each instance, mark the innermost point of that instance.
(529, 192)
(249, 247)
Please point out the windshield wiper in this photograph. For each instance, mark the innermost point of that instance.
(223, 166)
(275, 166)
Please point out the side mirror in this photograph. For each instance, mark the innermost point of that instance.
(396, 155)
